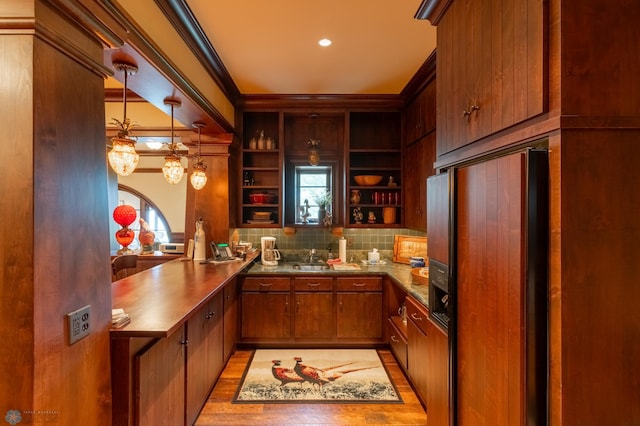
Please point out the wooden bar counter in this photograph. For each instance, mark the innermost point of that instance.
(184, 319)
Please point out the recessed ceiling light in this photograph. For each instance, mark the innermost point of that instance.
(324, 42)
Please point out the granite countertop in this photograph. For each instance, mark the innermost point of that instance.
(399, 272)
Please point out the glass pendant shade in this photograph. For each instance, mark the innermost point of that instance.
(172, 169)
(199, 175)
(123, 157)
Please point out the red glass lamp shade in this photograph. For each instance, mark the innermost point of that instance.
(125, 236)
(124, 215)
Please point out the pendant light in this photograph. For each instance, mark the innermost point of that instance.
(172, 169)
(123, 157)
(199, 175)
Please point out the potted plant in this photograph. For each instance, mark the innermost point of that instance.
(323, 199)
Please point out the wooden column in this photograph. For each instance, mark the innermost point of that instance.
(211, 203)
(54, 235)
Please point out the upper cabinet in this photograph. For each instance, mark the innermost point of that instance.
(278, 178)
(419, 137)
(490, 69)
(262, 158)
(419, 117)
(375, 150)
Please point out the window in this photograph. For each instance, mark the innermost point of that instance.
(147, 211)
(312, 184)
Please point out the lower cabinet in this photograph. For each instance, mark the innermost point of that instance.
(204, 355)
(417, 352)
(166, 381)
(437, 375)
(266, 310)
(398, 340)
(314, 304)
(311, 309)
(159, 383)
(359, 315)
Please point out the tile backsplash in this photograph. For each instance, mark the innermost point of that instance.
(321, 238)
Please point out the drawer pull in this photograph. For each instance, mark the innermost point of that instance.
(394, 339)
(414, 317)
(266, 284)
(359, 284)
(313, 284)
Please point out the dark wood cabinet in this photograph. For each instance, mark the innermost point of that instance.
(159, 382)
(266, 309)
(314, 308)
(438, 217)
(419, 116)
(398, 340)
(204, 354)
(375, 149)
(437, 380)
(418, 166)
(261, 171)
(230, 318)
(302, 310)
(501, 303)
(418, 348)
(359, 315)
(490, 69)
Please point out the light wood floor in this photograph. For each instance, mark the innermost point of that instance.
(220, 411)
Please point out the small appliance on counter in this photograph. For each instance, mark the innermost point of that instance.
(270, 254)
(172, 248)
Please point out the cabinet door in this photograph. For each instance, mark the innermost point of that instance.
(159, 382)
(438, 217)
(417, 360)
(204, 355)
(230, 318)
(437, 381)
(359, 315)
(490, 69)
(419, 159)
(490, 325)
(314, 315)
(266, 316)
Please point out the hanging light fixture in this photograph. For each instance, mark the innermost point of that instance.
(313, 145)
(172, 169)
(123, 157)
(199, 175)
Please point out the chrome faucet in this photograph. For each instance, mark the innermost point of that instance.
(312, 254)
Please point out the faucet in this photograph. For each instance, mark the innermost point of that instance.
(312, 254)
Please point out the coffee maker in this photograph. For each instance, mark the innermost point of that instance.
(269, 253)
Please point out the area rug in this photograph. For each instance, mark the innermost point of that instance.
(316, 375)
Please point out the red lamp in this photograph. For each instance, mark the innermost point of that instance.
(124, 215)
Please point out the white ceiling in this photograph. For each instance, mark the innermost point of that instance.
(270, 46)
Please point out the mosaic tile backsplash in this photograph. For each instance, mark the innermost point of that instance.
(321, 239)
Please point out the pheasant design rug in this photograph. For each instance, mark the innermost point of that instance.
(316, 375)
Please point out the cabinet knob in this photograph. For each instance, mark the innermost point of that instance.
(472, 109)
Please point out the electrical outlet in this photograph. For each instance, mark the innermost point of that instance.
(79, 324)
(349, 241)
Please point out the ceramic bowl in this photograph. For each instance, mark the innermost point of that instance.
(260, 198)
(367, 180)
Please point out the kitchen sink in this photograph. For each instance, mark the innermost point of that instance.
(311, 266)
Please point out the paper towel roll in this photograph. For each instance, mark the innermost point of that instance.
(342, 249)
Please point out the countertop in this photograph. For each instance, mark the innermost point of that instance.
(400, 273)
(161, 299)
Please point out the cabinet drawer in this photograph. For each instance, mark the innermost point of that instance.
(398, 344)
(313, 284)
(266, 284)
(417, 313)
(359, 283)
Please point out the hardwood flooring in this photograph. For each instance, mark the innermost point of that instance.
(219, 410)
